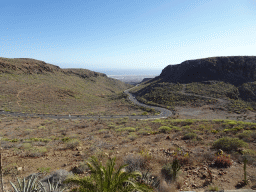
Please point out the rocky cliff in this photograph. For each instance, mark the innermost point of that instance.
(234, 69)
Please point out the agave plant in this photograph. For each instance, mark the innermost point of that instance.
(55, 187)
(106, 179)
(149, 180)
(33, 185)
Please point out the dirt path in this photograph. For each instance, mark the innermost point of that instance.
(213, 111)
(221, 101)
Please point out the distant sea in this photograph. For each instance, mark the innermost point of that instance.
(150, 72)
(131, 76)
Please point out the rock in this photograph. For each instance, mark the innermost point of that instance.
(79, 148)
(19, 168)
(81, 169)
(168, 138)
(79, 153)
(204, 176)
(59, 175)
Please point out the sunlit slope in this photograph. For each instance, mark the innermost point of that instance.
(29, 85)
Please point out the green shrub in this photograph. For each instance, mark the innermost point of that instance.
(188, 121)
(143, 132)
(26, 146)
(186, 127)
(132, 136)
(44, 169)
(36, 152)
(129, 129)
(229, 144)
(213, 188)
(245, 135)
(144, 113)
(65, 139)
(176, 128)
(214, 131)
(164, 129)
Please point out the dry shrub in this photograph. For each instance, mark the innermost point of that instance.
(222, 161)
(72, 144)
(36, 152)
(135, 162)
(164, 187)
(209, 156)
(183, 160)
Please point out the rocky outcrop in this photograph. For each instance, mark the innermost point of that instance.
(234, 69)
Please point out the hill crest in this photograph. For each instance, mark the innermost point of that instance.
(232, 69)
(33, 66)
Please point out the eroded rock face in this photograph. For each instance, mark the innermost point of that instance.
(235, 70)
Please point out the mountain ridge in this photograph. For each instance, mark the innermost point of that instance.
(231, 69)
(33, 66)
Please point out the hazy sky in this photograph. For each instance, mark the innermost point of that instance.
(126, 33)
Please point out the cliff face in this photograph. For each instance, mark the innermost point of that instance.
(234, 69)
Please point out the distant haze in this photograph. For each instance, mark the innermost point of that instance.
(130, 72)
(131, 76)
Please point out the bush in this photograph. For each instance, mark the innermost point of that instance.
(36, 152)
(72, 144)
(189, 136)
(222, 161)
(129, 129)
(170, 171)
(229, 144)
(164, 129)
(135, 162)
(245, 135)
(167, 171)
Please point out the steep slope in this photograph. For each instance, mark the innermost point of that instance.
(235, 70)
(29, 85)
(202, 81)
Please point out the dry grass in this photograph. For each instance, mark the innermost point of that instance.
(65, 144)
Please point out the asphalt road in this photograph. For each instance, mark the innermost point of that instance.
(164, 113)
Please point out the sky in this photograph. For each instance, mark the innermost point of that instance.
(126, 34)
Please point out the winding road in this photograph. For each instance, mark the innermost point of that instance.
(164, 113)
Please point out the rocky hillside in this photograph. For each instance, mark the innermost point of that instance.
(235, 70)
(229, 78)
(29, 85)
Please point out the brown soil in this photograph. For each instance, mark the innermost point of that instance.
(99, 138)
